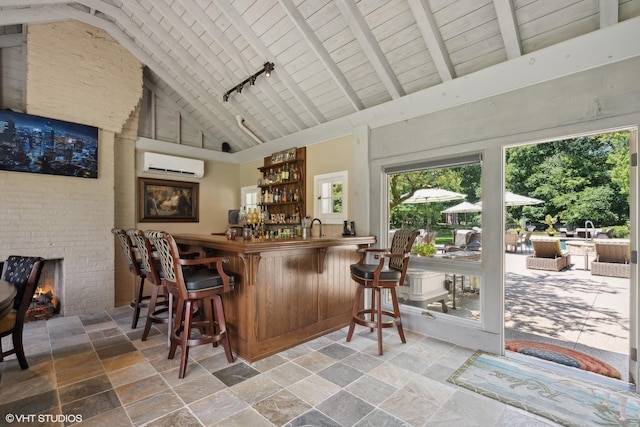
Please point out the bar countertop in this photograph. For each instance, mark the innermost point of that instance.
(253, 246)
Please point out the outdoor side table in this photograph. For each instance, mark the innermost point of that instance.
(582, 248)
(459, 256)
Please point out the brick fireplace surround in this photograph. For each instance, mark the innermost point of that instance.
(70, 218)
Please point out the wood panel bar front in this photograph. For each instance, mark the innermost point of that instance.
(286, 292)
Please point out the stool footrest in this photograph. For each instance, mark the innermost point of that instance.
(362, 321)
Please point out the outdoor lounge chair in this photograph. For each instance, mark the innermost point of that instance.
(612, 259)
(524, 241)
(511, 241)
(547, 255)
(461, 239)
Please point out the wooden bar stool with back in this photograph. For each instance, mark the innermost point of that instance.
(380, 276)
(150, 267)
(190, 287)
(129, 251)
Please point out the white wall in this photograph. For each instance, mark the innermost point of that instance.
(595, 100)
(65, 217)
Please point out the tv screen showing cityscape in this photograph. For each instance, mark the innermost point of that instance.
(40, 145)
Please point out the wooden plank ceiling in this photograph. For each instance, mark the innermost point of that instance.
(332, 58)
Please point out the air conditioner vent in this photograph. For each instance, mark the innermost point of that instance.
(173, 165)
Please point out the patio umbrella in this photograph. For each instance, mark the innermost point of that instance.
(513, 199)
(464, 207)
(431, 195)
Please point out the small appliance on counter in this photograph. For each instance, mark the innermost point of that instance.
(349, 229)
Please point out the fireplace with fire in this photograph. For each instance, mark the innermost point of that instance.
(45, 302)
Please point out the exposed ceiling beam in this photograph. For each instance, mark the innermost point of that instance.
(11, 40)
(205, 51)
(592, 50)
(186, 59)
(370, 46)
(508, 27)
(21, 3)
(432, 37)
(221, 39)
(245, 30)
(119, 36)
(608, 12)
(33, 15)
(322, 53)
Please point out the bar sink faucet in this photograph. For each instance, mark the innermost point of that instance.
(319, 223)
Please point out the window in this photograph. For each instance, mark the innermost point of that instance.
(330, 195)
(249, 198)
(439, 199)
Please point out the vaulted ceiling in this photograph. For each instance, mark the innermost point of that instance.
(332, 58)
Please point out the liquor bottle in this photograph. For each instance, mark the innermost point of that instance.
(283, 198)
(285, 173)
(296, 195)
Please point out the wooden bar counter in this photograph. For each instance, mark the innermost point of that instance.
(287, 291)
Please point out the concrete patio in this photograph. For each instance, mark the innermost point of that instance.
(571, 308)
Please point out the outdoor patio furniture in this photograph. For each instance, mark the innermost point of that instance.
(547, 255)
(604, 234)
(525, 241)
(461, 238)
(612, 259)
(511, 241)
(581, 248)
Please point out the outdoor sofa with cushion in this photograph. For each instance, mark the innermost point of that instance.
(548, 255)
(612, 259)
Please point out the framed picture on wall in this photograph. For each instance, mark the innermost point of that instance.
(162, 200)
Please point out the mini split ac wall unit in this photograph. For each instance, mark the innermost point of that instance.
(173, 165)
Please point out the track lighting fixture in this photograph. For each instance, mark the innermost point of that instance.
(267, 69)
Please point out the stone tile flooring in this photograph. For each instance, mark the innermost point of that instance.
(97, 368)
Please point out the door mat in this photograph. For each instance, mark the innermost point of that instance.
(563, 399)
(563, 355)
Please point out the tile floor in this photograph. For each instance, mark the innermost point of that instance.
(97, 368)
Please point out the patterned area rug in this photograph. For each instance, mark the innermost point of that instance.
(562, 399)
(562, 355)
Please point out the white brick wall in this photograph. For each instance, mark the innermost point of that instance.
(74, 73)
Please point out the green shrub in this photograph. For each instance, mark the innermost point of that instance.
(619, 231)
(423, 249)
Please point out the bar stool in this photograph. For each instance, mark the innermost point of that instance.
(377, 277)
(129, 250)
(188, 287)
(151, 269)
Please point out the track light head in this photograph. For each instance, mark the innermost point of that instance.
(268, 68)
(251, 80)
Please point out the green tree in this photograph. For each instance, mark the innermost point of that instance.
(424, 215)
(579, 179)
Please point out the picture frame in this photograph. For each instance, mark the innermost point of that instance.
(162, 200)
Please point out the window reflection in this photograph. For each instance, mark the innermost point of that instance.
(440, 198)
(456, 294)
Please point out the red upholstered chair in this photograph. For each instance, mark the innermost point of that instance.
(129, 251)
(159, 301)
(189, 287)
(376, 277)
(23, 273)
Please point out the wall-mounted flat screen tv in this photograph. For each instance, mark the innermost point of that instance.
(40, 145)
